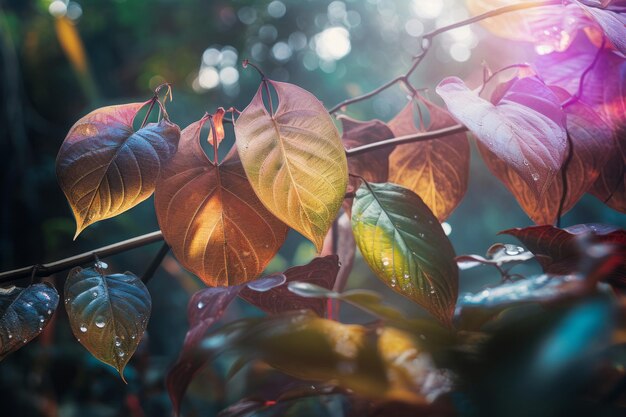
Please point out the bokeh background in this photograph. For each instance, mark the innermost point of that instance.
(61, 59)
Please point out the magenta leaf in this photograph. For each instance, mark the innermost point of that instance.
(320, 271)
(612, 20)
(525, 129)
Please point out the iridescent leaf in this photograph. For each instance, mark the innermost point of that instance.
(24, 312)
(294, 159)
(105, 168)
(211, 217)
(436, 170)
(591, 139)
(403, 243)
(320, 271)
(108, 313)
(525, 129)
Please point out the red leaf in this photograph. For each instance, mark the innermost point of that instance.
(320, 271)
(205, 308)
(373, 166)
(526, 129)
(436, 170)
(563, 251)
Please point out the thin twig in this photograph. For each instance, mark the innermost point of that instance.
(427, 42)
(76, 260)
(156, 262)
(399, 140)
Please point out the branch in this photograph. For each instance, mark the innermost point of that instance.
(77, 260)
(427, 41)
(156, 262)
(416, 137)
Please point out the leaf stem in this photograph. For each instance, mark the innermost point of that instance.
(80, 259)
(156, 262)
(427, 41)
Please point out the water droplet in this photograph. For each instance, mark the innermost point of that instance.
(535, 177)
(83, 328)
(421, 235)
(94, 294)
(30, 304)
(425, 43)
(118, 342)
(25, 341)
(67, 300)
(49, 311)
(133, 337)
(10, 336)
(41, 319)
(200, 305)
(120, 353)
(100, 323)
(101, 265)
(415, 216)
(407, 276)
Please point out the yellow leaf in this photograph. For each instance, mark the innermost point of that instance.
(294, 159)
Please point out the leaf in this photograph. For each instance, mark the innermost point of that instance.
(320, 271)
(372, 364)
(436, 170)
(24, 312)
(403, 243)
(542, 288)
(105, 168)
(498, 254)
(550, 28)
(204, 309)
(373, 166)
(612, 22)
(591, 139)
(525, 129)
(294, 159)
(108, 313)
(210, 216)
(581, 248)
(218, 122)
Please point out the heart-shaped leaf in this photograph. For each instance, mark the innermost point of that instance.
(294, 159)
(591, 139)
(525, 128)
(204, 309)
(436, 170)
(108, 313)
(374, 165)
(211, 217)
(24, 312)
(320, 271)
(105, 168)
(403, 243)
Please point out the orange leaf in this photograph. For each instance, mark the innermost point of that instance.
(436, 170)
(218, 119)
(217, 227)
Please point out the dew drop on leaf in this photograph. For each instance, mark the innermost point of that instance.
(100, 323)
(200, 304)
(83, 328)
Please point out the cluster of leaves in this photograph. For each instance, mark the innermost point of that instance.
(550, 133)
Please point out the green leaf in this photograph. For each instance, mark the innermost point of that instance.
(108, 313)
(24, 312)
(403, 243)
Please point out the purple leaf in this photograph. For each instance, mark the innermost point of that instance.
(205, 308)
(320, 271)
(611, 19)
(525, 129)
